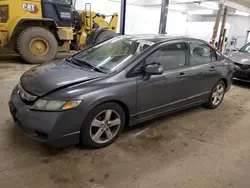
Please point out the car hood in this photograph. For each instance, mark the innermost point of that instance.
(241, 57)
(48, 77)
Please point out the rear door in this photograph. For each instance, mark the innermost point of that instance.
(203, 71)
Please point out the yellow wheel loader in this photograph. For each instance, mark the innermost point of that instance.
(38, 29)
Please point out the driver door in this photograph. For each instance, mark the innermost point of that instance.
(161, 93)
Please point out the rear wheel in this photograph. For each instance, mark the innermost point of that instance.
(103, 125)
(217, 95)
(37, 45)
(105, 35)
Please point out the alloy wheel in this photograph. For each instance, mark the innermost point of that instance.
(218, 94)
(105, 126)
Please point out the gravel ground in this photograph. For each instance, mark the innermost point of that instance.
(196, 148)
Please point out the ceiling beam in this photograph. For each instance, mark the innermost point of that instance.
(236, 6)
(190, 1)
(146, 3)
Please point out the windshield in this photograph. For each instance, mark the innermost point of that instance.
(113, 54)
(245, 49)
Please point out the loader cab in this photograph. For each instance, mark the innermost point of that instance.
(61, 11)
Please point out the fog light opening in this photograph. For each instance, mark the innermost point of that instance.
(42, 135)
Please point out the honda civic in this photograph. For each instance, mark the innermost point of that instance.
(91, 96)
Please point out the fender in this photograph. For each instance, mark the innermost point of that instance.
(37, 21)
(131, 118)
(103, 99)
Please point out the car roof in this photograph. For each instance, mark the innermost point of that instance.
(158, 38)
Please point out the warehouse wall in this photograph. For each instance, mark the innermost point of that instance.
(145, 20)
(203, 30)
(239, 25)
(140, 19)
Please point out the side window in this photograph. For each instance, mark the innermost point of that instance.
(171, 56)
(201, 53)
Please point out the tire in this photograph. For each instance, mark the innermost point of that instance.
(210, 103)
(105, 35)
(17, 52)
(89, 132)
(33, 34)
(90, 39)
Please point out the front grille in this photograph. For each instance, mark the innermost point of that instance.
(242, 75)
(25, 96)
(243, 66)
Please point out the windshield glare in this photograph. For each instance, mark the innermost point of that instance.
(114, 53)
(246, 49)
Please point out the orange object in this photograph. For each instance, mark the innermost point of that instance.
(68, 105)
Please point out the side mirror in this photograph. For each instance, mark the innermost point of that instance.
(154, 69)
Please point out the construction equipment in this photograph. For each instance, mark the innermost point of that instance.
(38, 29)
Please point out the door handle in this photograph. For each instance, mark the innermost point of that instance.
(182, 75)
(212, 68)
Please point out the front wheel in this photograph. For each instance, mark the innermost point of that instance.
(217, 95)
(103, 125)
(37, 45)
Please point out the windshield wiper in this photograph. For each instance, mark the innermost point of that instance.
(80, 63)
(90, 65)
(70, 59)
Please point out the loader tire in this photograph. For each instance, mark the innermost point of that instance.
(37, 45)
(17, 51)
(90, 39)
(105, 35)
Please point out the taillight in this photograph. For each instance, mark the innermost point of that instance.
(4, 14)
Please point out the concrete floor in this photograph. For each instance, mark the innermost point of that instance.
(197, 148)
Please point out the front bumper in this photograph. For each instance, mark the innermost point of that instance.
(3, 38)
(53, 128)
(242, 75)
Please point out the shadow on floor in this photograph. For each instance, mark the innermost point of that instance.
(27, 144)
(11, 58)
(14, 58)
(242, 84)
(161, 119)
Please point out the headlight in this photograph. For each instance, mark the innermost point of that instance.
(49, 105)
(24, 95)
(4, 14)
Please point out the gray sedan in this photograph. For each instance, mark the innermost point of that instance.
(91, 96)
(241, 60)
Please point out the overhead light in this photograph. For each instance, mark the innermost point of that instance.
(177, 8)
(240, 13)
(201, 12)
(209, 5)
